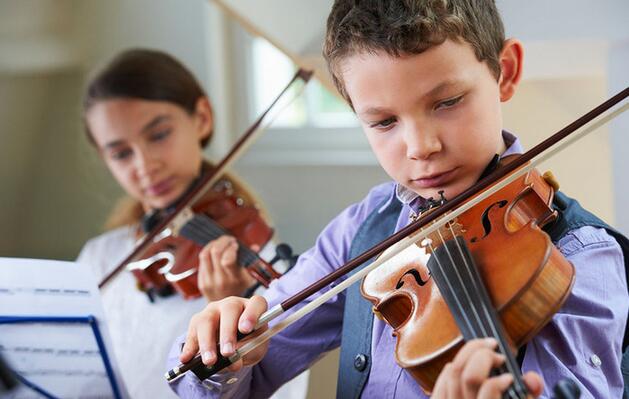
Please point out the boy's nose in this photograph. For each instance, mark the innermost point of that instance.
(421, 144)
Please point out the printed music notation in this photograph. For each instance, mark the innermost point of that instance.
(52, 330)
(43, 291)
(50, 351)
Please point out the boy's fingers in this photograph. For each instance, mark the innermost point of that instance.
(191, 346)
(534, 383)
(229, 326)
(477, 369)
(254, 308)
(494, 387)
(462, 357)
(443, 382)
(206, 336)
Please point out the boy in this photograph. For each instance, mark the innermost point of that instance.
(426, 79)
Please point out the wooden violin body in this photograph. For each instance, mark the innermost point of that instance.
(171, 261)
(526, 276)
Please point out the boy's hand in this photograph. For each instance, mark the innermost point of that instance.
(467, 376)
(219, 273)
(224, 317)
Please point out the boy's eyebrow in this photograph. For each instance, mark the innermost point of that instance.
(373, 111)
(432, 93)
(443, 86)
(147, 127)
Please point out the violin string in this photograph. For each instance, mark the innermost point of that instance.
(481, 329)
(472, 276)
(202, 229)
(208, 230)
(443, 272)
(249, 255)
(212, 231)
(204, 226)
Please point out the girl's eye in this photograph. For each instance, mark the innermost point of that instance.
(449, 103)
(121, 154)
(383, 124)
(160, 135)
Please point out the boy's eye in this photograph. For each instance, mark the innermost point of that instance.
(383, 123)
(448, 103)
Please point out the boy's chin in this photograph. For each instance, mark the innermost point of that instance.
(449, 192)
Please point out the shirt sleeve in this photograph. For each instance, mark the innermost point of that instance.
(301, 344)
(583, 340)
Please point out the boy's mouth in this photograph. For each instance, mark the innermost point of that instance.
(434, 180)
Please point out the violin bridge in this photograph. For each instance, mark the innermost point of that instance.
(449, 231)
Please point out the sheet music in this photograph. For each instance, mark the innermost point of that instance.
(61, 358)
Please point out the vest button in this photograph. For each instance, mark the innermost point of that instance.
(360, 362)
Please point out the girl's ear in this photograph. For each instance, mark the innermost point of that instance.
(205, 118)
(511, 58)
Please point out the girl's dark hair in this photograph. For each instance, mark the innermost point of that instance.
(148, 75)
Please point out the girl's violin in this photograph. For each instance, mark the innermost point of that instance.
(171, 261)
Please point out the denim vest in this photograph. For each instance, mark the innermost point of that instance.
(355, 361)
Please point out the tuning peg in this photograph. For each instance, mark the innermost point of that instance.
(282, 251)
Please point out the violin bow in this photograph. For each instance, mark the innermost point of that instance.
(412, 233)
(179, 215)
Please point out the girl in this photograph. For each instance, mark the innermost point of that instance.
(149, 120)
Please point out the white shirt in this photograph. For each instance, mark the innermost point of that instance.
(142, 332)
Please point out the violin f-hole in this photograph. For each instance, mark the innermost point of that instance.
(485, 219)
(416, 275)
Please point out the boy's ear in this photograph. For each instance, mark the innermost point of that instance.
(205, 117)
(511, 58)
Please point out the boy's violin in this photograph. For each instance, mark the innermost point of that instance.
(491, 260)
(167, 254)
(490, 235)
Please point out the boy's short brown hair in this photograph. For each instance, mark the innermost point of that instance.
(403, 27)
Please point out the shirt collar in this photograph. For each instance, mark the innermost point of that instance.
(414, 200)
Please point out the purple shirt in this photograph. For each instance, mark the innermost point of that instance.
(582, 341)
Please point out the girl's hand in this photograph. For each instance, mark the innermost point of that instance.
(216, 326)
(219, 273)
(467, 376)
